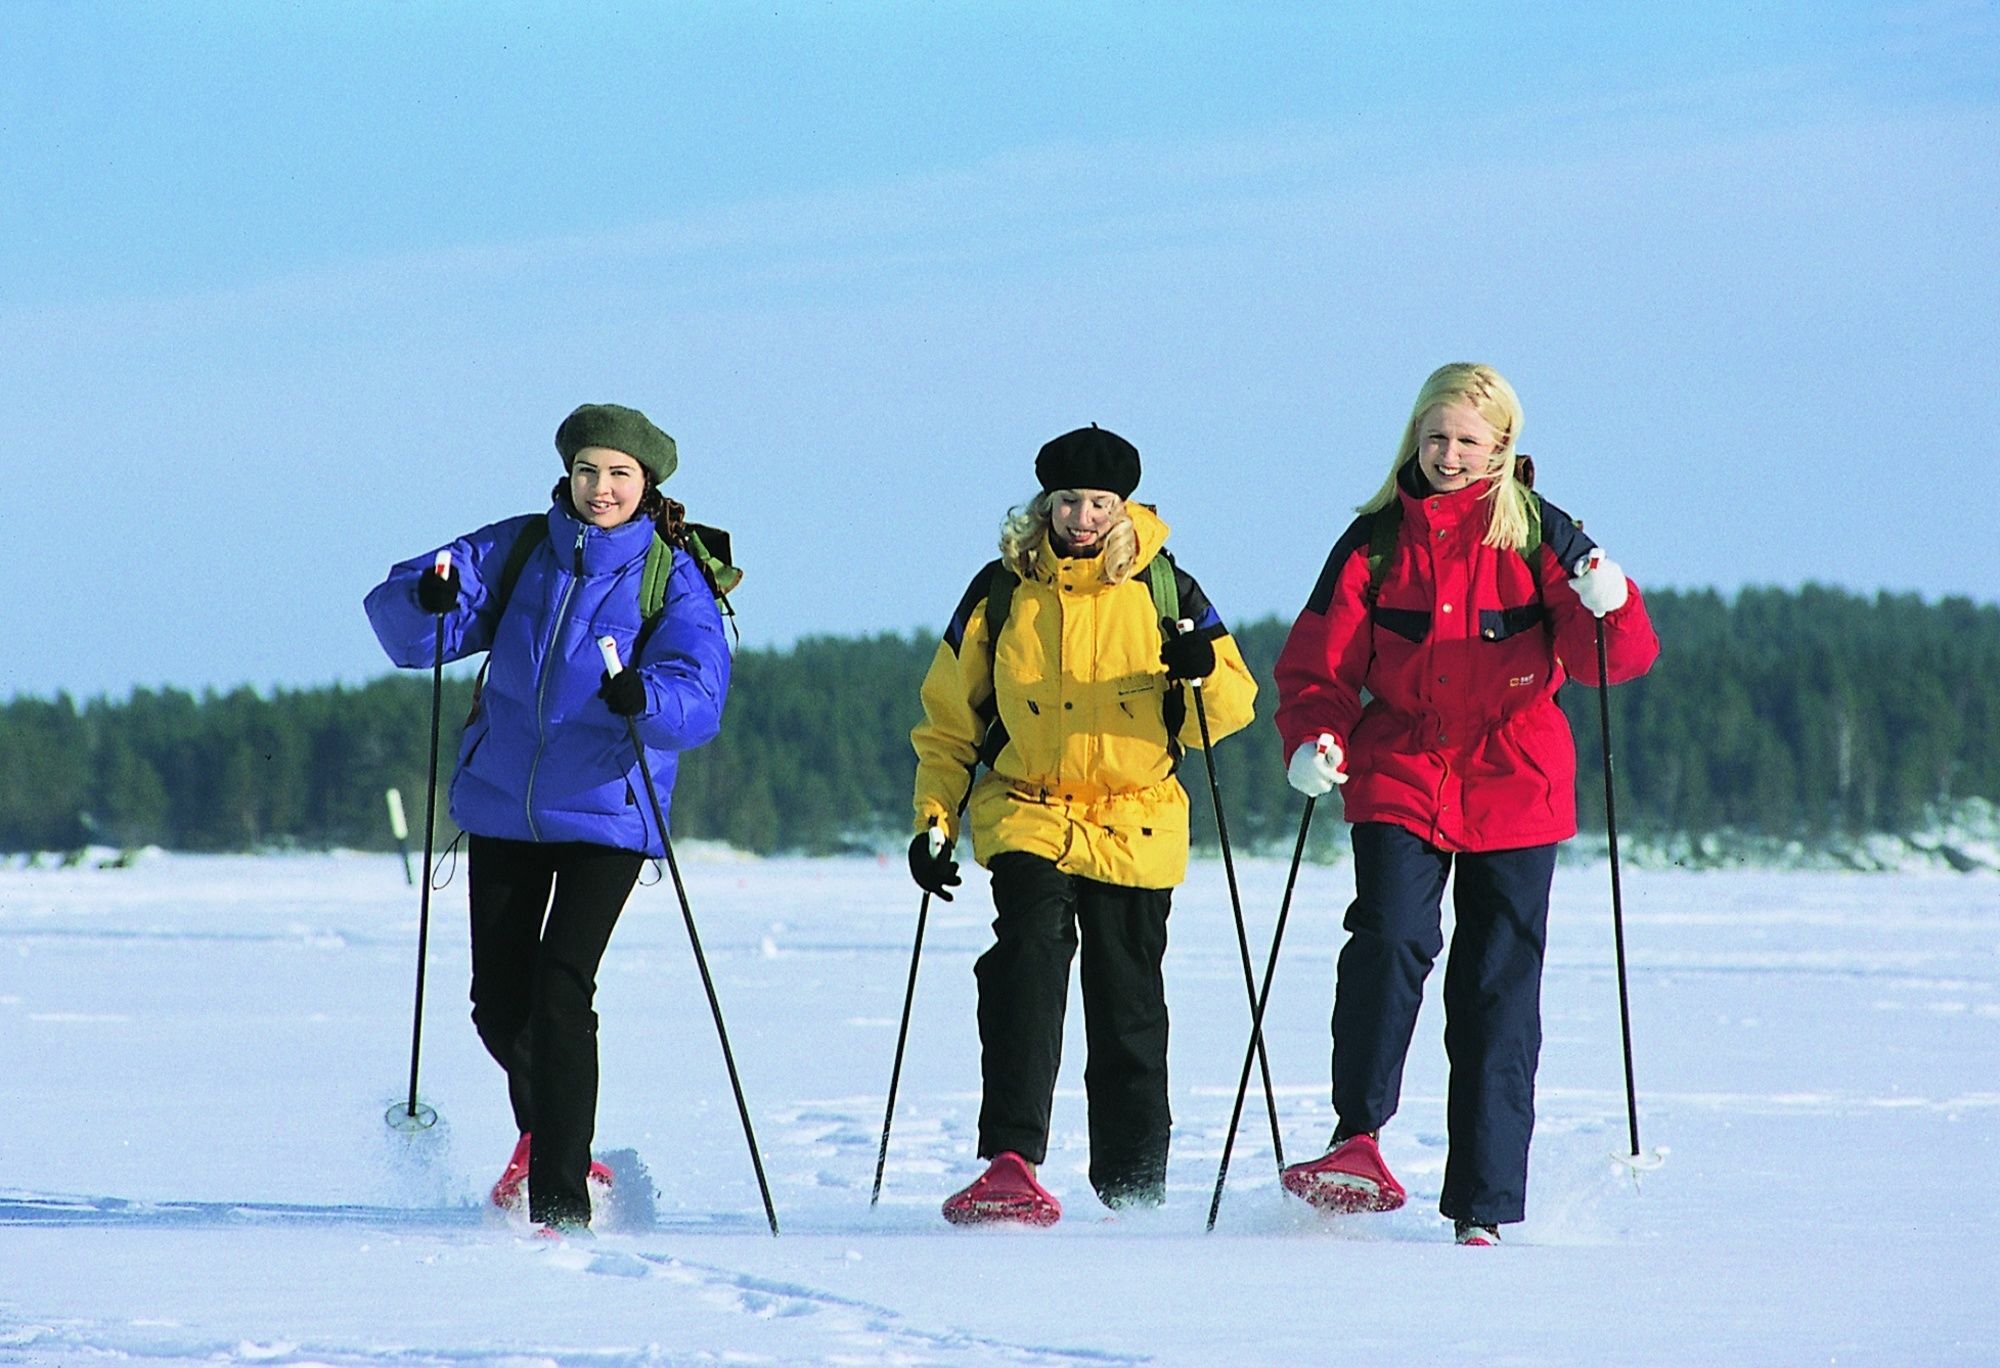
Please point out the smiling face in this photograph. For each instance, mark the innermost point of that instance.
(1455, 446)
(1081, 517)
(606, 485)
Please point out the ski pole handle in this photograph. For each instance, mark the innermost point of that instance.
(442, 565)
(936, 835)
(608, 648)
(1589, 561)
(1182, 628)
(1324, 748)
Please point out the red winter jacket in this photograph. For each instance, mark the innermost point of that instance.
(1460, 740)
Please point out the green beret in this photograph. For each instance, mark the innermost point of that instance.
(620, 429)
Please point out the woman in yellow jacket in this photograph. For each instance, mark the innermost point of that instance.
(1067, 685)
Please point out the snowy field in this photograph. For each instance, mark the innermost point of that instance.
(196, 1053)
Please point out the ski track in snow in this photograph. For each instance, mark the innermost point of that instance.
(195, 1057)
(867, 1332)
(766, 1298)
(864, 1332)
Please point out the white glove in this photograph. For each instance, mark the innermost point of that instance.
(1600, 585)
(1315, 767)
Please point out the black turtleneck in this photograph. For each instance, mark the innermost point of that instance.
(1412, 480)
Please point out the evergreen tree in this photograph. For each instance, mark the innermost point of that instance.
(1787, 713)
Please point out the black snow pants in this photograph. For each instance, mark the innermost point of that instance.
(1492, 1003)
(534, 977)
(1023, 992)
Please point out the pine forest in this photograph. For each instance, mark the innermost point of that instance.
(1805, 716)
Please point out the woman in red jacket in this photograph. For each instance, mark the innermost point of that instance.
(1422, 676)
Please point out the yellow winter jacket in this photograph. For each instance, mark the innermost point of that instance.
(1085, 778)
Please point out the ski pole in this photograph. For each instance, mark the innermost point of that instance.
(608, 648)
(399, 827)
(1257, 1013)
(1183, 627)
(1637, 1159)
(412, 1117)
(903, 1031)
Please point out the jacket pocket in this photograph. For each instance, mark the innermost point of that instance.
(1497, 624)
(1411, 624)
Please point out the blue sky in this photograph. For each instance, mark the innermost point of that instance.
(289, 292)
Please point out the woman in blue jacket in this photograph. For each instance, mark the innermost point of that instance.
(547, 786)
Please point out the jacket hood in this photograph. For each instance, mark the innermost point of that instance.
(1152, 530)
(1146, 523)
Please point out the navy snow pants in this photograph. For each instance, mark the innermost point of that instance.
(1023, 992)
(534, 978)
(1492, 1003)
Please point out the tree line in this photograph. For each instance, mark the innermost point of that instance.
(1796, 714)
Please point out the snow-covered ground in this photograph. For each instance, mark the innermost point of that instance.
(196, 1053)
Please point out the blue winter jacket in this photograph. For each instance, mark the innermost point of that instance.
(543, 758)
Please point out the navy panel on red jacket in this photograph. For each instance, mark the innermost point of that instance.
(1460, 739)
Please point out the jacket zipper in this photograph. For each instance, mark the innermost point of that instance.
(542, 687)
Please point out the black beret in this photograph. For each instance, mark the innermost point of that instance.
(620, 429)
(1089, 458)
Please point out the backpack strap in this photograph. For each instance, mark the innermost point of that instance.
(1383, 527)
(1000, 586)
(1163, 577)
(653, 578)
(999, 602)
(1164, 580)
(532, 536)
(659, 568)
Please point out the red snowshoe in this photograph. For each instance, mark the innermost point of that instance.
(1007, 1191)
(511, 1192)
(1350, 1177)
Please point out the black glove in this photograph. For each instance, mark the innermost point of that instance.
(624, 693)
(437, 593)
(933, 873)
(1190, 656)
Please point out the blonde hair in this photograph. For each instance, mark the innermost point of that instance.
(1025, 530)
(1489, 394)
